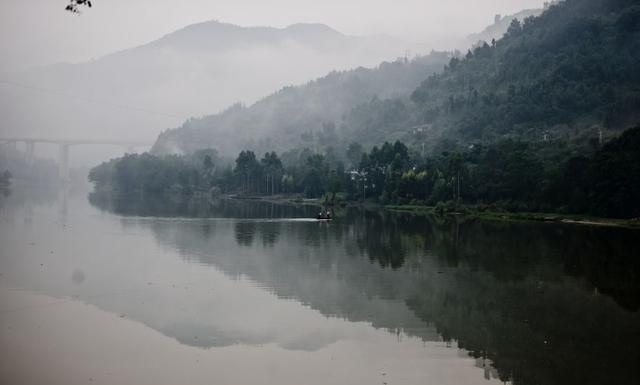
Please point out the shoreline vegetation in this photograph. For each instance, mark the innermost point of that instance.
(492, 213)
(474, 212)
(510, 180)
(469, 211)
(542, 120)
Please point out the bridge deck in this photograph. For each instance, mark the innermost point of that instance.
(77, 141)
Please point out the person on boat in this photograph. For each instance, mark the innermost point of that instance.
(324, 214)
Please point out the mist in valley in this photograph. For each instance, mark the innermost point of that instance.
(312, 192)
(130, 70)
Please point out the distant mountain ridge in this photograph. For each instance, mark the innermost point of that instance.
(569, 74)
(135, 93)
(218, 36)
(309, 115)
(564, 75)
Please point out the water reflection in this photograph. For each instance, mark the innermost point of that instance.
(532, 303)
(161, 206)
(547, 304)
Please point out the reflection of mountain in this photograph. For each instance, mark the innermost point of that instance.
(303, 261)
(529, 297)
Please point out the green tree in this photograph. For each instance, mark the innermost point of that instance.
(272, 166)
(354, 154)
(247, 170)
(615, 179)
(315, 173)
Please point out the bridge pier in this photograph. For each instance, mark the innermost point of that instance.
(30, 147)
(63, 148)
(12, 144)
(63, 161)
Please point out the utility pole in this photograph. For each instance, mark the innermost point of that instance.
(600, 135)
(363, 178)
(458, 185)
(364, 188)
(30, 148)
(63, 161)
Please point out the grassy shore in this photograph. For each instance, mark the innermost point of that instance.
(464, 210)
(470, 211)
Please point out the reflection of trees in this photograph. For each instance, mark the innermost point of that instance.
(509, 293)
(151, 206)
(603, 256)
(536, 332)
(521, 295)
(269, 232)
(379, 236)
(245, 232)
(198, 207)
(546, 303)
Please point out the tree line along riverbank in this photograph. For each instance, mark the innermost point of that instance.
(510, 179)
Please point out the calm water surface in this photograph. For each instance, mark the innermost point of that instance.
(106, 290)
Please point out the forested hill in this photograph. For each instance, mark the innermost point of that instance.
(501, 24)
(308, 115)
(569, 75)
(555, 76)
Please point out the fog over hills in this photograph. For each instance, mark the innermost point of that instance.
(310, 114)
(200, 69)
(500, 26)
(204, 68)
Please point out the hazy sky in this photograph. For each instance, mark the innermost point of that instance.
(39, 32)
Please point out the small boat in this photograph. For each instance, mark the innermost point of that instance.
(324, 216)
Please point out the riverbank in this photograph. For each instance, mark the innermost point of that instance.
(280, 198)
(470, 211)
(442, 210)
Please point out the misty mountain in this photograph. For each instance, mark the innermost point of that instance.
(309, 115)
(500, 26)
(135, 93)
(568, 75)
(214, 36)
(563, 76)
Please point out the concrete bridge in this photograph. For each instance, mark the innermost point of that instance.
(63, 146)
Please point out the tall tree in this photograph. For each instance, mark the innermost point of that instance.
(272, 167)
(247, 168)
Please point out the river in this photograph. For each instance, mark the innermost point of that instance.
(106, 290)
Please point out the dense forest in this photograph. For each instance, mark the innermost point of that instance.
(508, 175)
(551, 76)
(569, 74)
